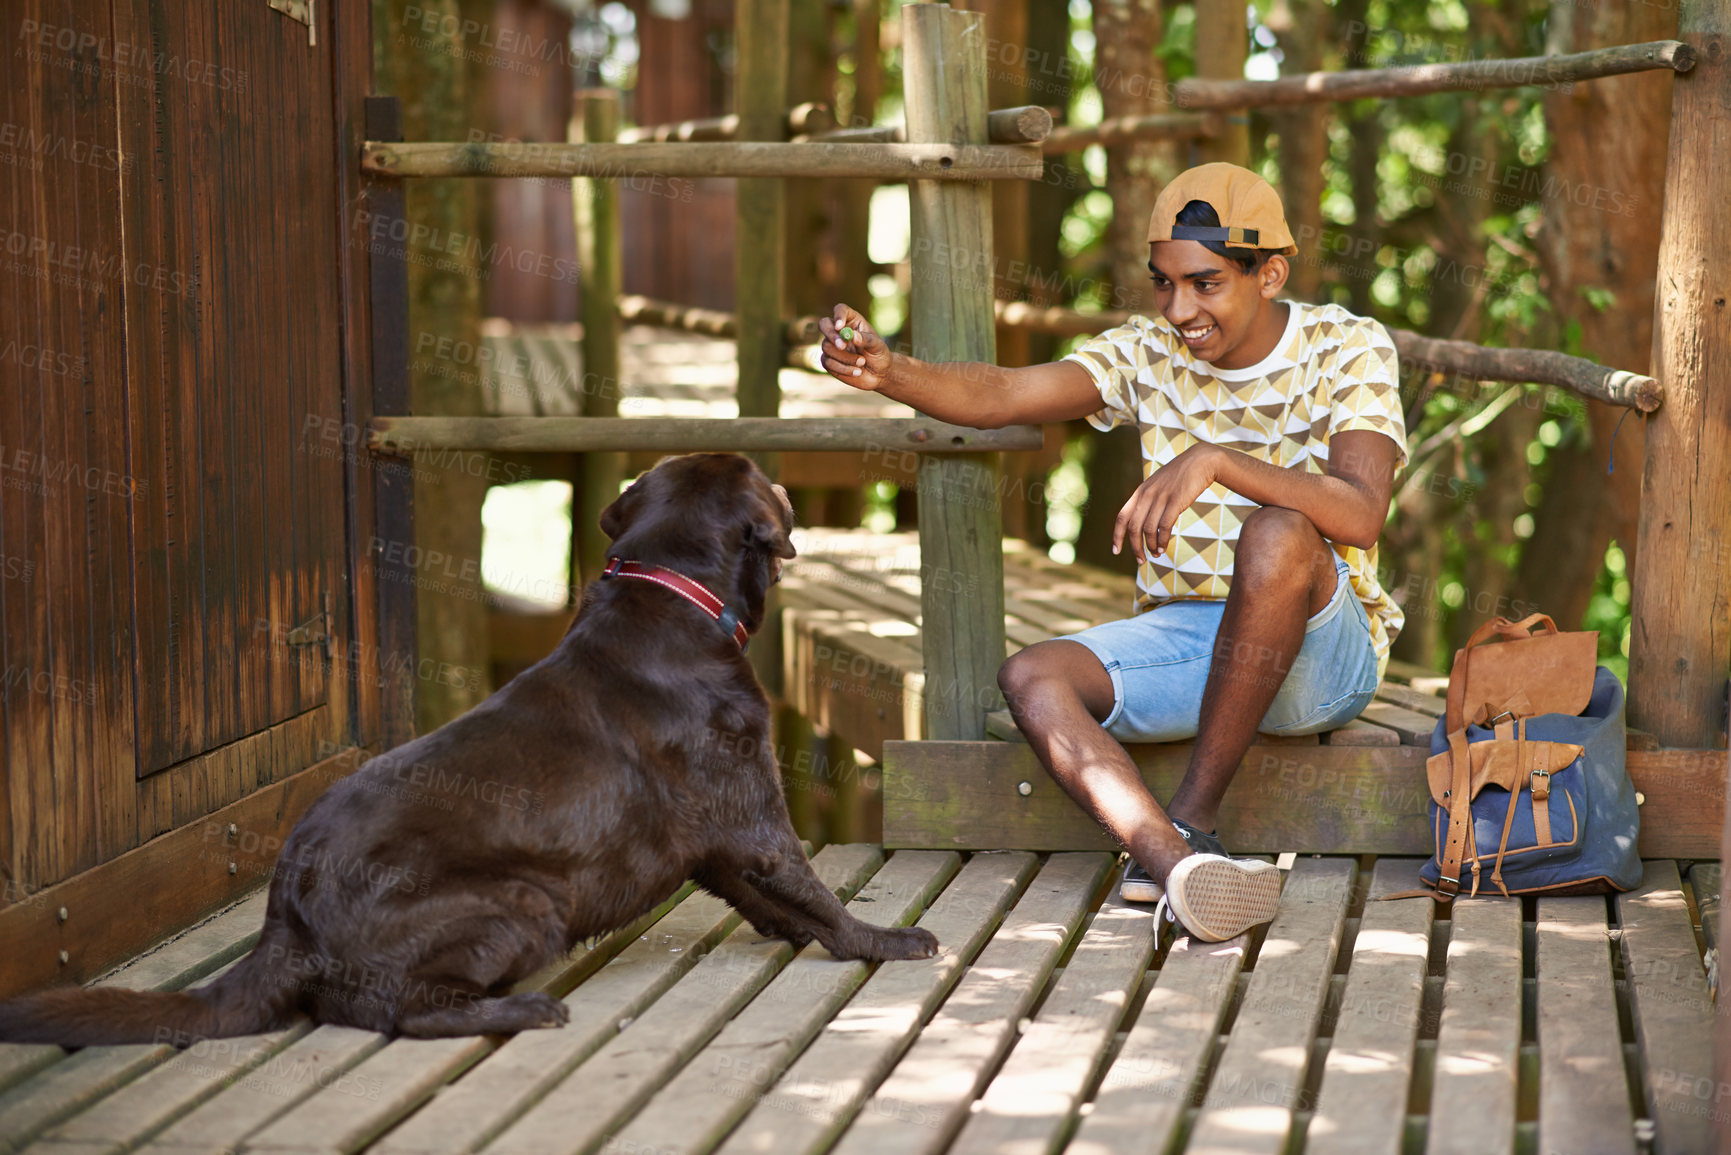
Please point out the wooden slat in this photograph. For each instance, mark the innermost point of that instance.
(1404, 696)
(1148, 1086)
(926, 1100)
(1704, 880)
(690, 434)
(197, 951)
(1143, 1097)
(1033, 1098)
(1261, 1074)
(1479, 1037)
(1413, 727)
(1361, 1105)
(469, 1112)
(695, 1110)
(325, 1057)
(967, 794)
(1673, 1015)
(817, 1097)
(405, 1072)
(152, 1102)
(1583, 1089)
(63, 1087)
(1358, 732)
(1317, 799)
(579, 1113)
(743, 159)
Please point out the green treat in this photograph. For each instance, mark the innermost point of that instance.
(846, 333)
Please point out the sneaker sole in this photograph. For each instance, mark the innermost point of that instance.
(1140, 891)
(1218, 899)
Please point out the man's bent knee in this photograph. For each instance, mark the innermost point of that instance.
(1052, 670)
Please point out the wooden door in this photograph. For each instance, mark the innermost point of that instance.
(172, 532)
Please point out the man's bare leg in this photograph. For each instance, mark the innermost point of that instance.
(1283, 573)
(1059, 694)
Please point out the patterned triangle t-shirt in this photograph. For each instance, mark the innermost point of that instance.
(1331, 371)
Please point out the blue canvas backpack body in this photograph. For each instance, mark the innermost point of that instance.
(1529, 788)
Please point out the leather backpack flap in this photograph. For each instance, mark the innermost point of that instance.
(1506, 762)
(1542, 674)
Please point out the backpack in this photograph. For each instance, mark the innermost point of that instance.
(1529, 791)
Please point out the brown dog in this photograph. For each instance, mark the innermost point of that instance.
(415, 892)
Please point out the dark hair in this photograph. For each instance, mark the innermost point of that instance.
(1202, 213)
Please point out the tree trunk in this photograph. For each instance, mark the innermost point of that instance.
(1303, 133)
(444, 298)
(1132, 81)
(1366, 129)
(812, 205)
(1609, 136)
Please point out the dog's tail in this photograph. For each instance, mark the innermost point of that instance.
(253, 995)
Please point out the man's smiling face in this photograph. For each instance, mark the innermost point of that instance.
(1218, 309)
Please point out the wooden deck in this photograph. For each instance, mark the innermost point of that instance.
(1051, 1021)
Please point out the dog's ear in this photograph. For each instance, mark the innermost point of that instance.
(768, 533)
(618, 515)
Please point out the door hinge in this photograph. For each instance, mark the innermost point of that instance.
(315, 631)
(301, 10)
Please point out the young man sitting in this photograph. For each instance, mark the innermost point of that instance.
(1271, 434)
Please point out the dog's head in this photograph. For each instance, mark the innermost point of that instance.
(714, 517)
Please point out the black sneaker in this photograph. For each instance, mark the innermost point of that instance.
(1138, 886)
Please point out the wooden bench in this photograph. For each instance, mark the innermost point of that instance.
(849, 643)
(1051, 1019)
(850, 611)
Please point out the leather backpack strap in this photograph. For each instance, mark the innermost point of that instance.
(1459, 795)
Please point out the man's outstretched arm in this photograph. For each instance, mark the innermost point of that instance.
(974, 393)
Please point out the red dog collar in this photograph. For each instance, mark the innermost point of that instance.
(693, 592)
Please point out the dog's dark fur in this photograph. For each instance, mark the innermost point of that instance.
(414, 893)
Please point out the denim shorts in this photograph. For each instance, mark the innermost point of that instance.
(1159, 662)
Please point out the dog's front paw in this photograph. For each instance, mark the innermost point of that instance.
(544, 1008)
(905, 943)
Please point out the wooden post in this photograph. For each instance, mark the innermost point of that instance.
(1222, 41)
(1680, 640)
(393, 479)
(599, 268)
(760, 264)
(961, 547)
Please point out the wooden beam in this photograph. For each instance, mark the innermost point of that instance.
(412, 435)
(639, 310)
(130, 903)
(1313, 799)
(802, 118)
(1022, 124)
(1129, 129)
(1680, 639)
(600, 269)
(935, 160)
(1460, 358)
(1418, 79)
(944, 76)
(392, 481)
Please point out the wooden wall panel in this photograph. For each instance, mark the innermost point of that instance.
(66, 795)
